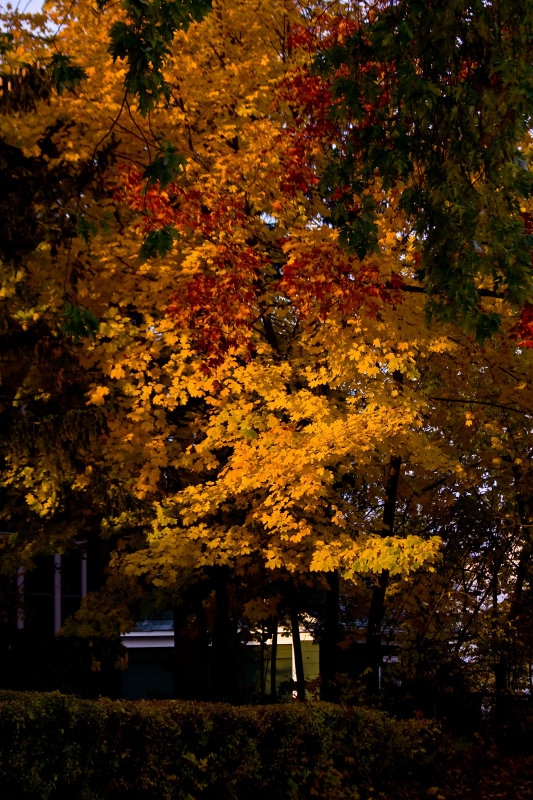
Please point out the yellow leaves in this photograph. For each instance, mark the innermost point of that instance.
(148, 480)
(233, 386)
(327, 556)
(10, 281)
(377, 357)
(273, 558)
(245, 547)
(97, 395)
(285, 448)
(338, 518)
(276, 442)
(441, 344)
(84, 480)
(43, 499)
(365, 362)
(399, 556)
(117, 372)
(395, 363)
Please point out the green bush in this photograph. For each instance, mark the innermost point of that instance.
(57, 747)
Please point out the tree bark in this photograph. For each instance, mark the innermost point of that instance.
(376, 612)
(273, 662)
(224, 676)
(263, 671)
(191, 646)
(504, 667)
(297, 646)
(201, 679)
(328, 655)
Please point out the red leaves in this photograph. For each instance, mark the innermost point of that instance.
(299, 174)
(216, 298)
(322, 279)
(522, 332)
(187, 208)
(219, 307)
(152, 204)
(222, 273)
(326, 31)
(311, 103)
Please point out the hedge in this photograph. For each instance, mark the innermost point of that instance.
(58, 747)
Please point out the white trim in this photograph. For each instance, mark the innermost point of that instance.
(137, 639)
(284, 637)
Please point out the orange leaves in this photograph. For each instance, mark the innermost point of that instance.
(522, 332)
(219, 306)
(217, 287)
(326, 30)
(323, 280)
(251, 249)
(253, 366)
(285, 449)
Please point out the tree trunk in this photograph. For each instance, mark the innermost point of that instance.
(297, 646)
(504, 668)
(263, 670)
(329, 640)
(500, 667)
(191, 646)
(224, 677)
(181, 689)
(201, 678)
(376, 613)
(274, 662)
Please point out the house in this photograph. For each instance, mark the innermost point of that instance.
(37, 604)
(149, 671)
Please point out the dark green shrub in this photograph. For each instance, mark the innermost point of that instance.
(56, 747)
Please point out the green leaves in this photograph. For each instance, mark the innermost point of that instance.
(144, 43)
(165, 167)
(79, 322)
(6, 42)
(438, 105)
(158, 243)
(65, 74)
(85, 228)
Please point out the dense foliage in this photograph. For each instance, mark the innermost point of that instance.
(436, 100)
(103, 749)
(223, 228)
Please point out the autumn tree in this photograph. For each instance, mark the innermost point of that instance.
(299, 413)
(53, 493)
(271, 403)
